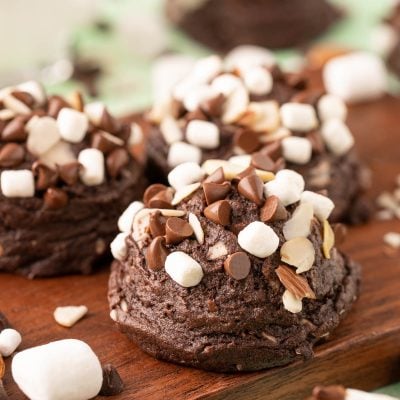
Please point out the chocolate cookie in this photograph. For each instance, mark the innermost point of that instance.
(67, 172)
(230, 270)
(244, 108)
(224, 24)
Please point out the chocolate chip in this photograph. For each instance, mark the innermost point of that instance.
(157, 224)
(55, 198)
(108, 122)
(219, 212)
(217, 176)
(317, 143)
(273, 150)
(14, 131)
(45, 177)
(237, 265)
(151, 191)
(214, 106)
(112, 382)
(55, 104)
(262, 161)
(116, 161)
(296, 80)
(24, 97)
(69, 173)
(273, 210)
(247, 140)
(196, 115)
(11, 155)
(246, 172)
(177, 230)
(176, 108)
(251, 187)
(156, 254)
(215, 191)
(162, 199)
(105, 142)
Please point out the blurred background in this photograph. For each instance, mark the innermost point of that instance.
(107, 48)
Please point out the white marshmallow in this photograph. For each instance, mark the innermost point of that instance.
(63, 370)
(337, 136)
(297, 150)
(322, 205)
(43, 134)
(183, 269)
(203, 134)
(185, 174)
(355, 77)
(299, 117)
(291, 303)
(171, 130)
(118, 246)
(331, 107)
(226, 84)
(235, 105)
(59, 154)
(206, 68)
(92, 173)
(180, 152)
(94, 112)
(258, 81)
(72, 125)
(287, 186)
(195, 97)
(136, 136)
(299, 225)
(35, 89)
(353, 394)
(246, 56)
(125, 221)
(17, 183)
(258, 239)
(10, 339)
(68, 316)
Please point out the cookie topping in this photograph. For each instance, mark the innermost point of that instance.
(273, 210)
(196, 226)
(203, 134)
(298, 252)
(55, 198)
(68, 316)
(329, 239)
(72, 125)
(92, 161)
(17, 183)
(322, 205)
(299, 225)
(237, 265)
(295, 284)
(251, 187)
(11, 155)
(215, 191)
(177, 230)
(297, 150)
(183, 269)
(156, 254)
(219, 212)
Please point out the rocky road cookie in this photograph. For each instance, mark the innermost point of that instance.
(67, 172)
(230, 269)
(245, 109)
(224, 24)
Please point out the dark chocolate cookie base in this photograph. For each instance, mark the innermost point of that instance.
(224, 24)
(39, 242)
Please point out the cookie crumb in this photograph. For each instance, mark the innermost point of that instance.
(112, 382)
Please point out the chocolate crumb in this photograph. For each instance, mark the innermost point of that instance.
(112, 382)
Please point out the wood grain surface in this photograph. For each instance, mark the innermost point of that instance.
(364, 351)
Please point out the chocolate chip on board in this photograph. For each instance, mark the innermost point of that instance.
(112, 382)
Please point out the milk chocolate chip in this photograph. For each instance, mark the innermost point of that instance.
(14, 131)
(11, 155)
(112, 382)
(251, 187)
(162, 199)
(273, 210)
(237, 265)
(55, 198)
(156, 254)
(177, 230)
(151, 191)
(45, 177)
(262, 161)
(219, 212)
(117, 160)
(247, 140)
(215, 191)
(157, 224)
(69, 173)
(217, 176)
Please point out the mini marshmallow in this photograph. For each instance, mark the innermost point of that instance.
(185, 174)
(94, 112)
(287, 186)
(355, 77)
(43, 134)
(291, 303)
(258, 81)
(206, 68)
(171, 130)
(258, 239)
(183, 269)
(297, 150)
(247, 56)
(322, 205)
(125, 221)
(10, 339)
(199, 94)
(299, 225)
(63, 370)
(72, 125)
(331, 107)
(92, 173)
(203, 134)
(35, 89)
(235, 105)
(17, 183)
(181, 152)
(118, 246)
(68, 316)
(226, 84)
(299, 117)
(337, 136)
(59, 154)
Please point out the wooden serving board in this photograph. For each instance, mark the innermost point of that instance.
(364, 352)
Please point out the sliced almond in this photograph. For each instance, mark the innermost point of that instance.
(278, 134)
(6, 114)
(15, 105)
(235, 105)
(298, 252)
(329, 239)
(172, 213)
(218, 250)
(171, 130)
(261, 116)
(76, 101)
(70, 315)
(197, 229)
(291, 303)
(184, 192)
(299, 225)
(295, 284)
